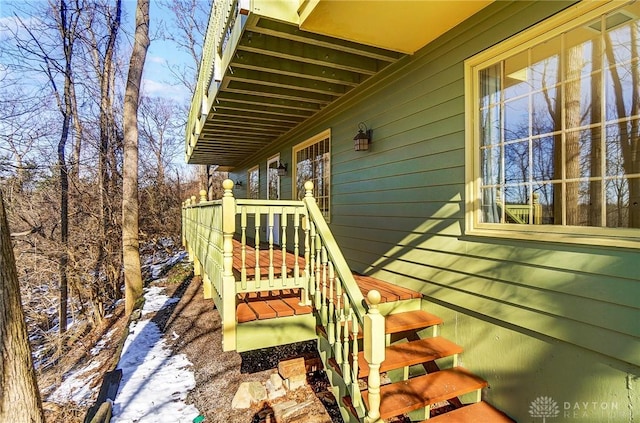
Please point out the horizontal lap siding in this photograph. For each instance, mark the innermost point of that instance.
(398, 209)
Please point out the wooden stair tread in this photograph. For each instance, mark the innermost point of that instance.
(244, 313)
(389, 292)
(263, 310)
(410, 353)
(281, 308)
(294, 303)
(405, 396)
(410, 320)
(479, 412)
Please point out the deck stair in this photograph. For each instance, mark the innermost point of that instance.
(422, 396)
(380, 348)
(416, 385)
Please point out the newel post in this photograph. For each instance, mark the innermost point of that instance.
(228, 280)
(310, 274)
(374, 353)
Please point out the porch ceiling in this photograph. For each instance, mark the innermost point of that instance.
(278, 77)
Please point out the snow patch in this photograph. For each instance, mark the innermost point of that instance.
(154, 382)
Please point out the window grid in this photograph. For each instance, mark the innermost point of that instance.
(592, 179)
(313, 162)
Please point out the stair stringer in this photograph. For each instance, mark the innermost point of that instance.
(338, 386)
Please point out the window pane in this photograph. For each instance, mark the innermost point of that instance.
(254, 183)
(517, 75)
(617, 203)
(546, 112)
(491, 166)
(578, 212)
(546, 200)
(516, 158)
(516, 119)
(543, 153)
(617, 136)
(489, 206)
(590, 153)
(545, 64)
(516, 194)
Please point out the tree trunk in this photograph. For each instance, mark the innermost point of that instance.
(130, 203)
(629, 130)
(66, 109)
(574, 59)
(19, 394)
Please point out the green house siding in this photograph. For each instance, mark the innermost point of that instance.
(537, 318)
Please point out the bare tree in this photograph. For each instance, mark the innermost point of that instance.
(130, 204)
(103, 48)
(66, 21)
(187, 32)
(628, 130)
(19, 395)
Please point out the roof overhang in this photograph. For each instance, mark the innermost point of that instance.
(278, 65)
(400, 25)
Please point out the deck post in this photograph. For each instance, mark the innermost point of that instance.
(374, 353)
(228, 312)
(189, 212)
(197, 264)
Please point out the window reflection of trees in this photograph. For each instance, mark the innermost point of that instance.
(547, 135)
(313, 164)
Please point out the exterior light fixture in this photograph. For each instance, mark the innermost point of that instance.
(282, 169)
(362, 139)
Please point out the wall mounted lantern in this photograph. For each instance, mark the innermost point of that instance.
(282, 169)
(362, 139)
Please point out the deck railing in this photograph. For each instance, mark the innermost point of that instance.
(244, 246)
(219, 31)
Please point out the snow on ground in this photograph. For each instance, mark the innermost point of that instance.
(154, 382)
(76, 386)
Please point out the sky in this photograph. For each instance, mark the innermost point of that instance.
(157, 80)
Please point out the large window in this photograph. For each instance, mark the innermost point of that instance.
(313, 163)
(555, 121)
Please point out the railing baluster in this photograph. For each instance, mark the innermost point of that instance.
(338, 322)
(331, 327)
(256, 216)
(346, 365)
(355, 388)
(307, 260)
(270, 224)
(283, 243)
(315, 266)
(243, 247)
(296, 247)
(323, 307)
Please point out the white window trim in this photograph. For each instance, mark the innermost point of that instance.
(592, 236)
